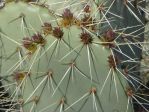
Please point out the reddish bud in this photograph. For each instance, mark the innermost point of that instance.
(58, 33)
(86, 38)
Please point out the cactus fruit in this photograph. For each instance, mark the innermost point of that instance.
(68, 56)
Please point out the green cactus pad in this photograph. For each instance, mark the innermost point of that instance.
(53, 62)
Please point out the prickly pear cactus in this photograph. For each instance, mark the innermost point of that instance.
(64, 56)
